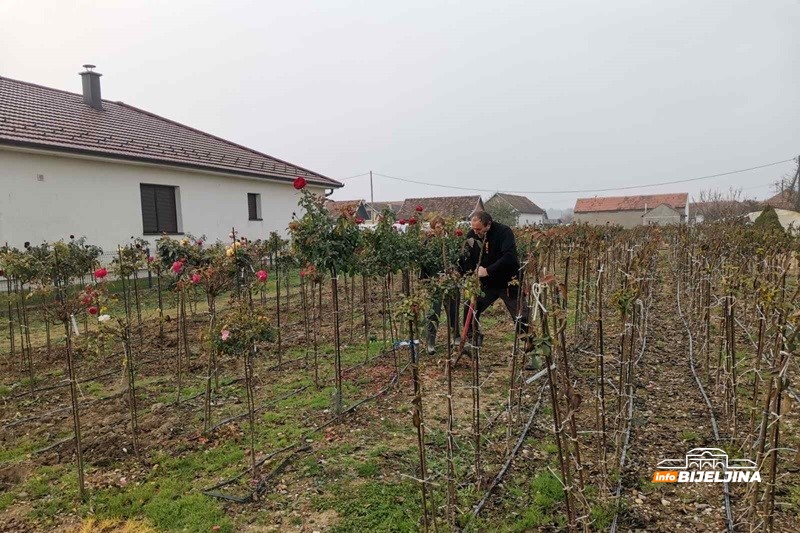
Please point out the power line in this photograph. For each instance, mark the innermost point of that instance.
(671, 182)
(356, 176)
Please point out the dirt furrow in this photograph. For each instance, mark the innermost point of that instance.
(670, 418)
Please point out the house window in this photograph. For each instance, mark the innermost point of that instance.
(253, 206)
(159, 209)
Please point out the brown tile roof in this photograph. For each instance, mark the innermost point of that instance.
(630, 203)
(459, 207)
(337, 207)
(521, 204)
(782, 200)
(33, 116)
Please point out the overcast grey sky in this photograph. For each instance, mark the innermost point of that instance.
(534, 96)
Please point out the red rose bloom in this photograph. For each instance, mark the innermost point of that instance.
(196, 278)
(359, 220)
(459, 233)
(100, 273)
(419, 209)
(177, 266)
(412, 221)
(401, 221)
(299, 183)
(262, 275)
(92, 310)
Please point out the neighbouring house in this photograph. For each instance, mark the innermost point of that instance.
(783, 200)
(75, 164)
(378, 207)
(527, 212)
(339, 207)
(790, 220)
(458, 207)
(629, 211)
(662, 215)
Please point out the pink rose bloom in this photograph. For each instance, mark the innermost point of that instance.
(196, 278)
(177, 266)
(100, 273)
(225, 334)
(262, 275)
(150, 259)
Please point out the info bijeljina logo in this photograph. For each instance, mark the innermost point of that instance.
(706, 465)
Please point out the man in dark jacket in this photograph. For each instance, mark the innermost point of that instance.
(499, 269)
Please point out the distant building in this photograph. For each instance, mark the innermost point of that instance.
(629, 211)
(357, 207)
(527, 212)
(378, 207)
(458, 207)
(662, 215)
(783, 200)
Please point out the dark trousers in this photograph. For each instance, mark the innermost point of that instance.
(511, 298)
(436, 309)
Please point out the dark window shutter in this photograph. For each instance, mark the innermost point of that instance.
(149, 214)
(159, 211)
(167, 212)
(252, 206)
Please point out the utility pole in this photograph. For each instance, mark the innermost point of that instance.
(795, 188)
(371, 195)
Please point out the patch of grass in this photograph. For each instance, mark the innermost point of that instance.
(601, 516)
(549, 447)
(368, 468)
(170, 504)
(547, 492)
(376, 507)
(94, 388)
(6, 499)
(54, 489)
(689, 435)
(5, 391)
(17, 451)
(92, 525)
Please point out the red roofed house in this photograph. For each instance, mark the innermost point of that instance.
(632, 211)
(786, 199)
(74, 164)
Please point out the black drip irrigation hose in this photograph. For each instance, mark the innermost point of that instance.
(729, 524)
(300, 447)
(510, 457)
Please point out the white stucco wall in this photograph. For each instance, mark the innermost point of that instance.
(529, 220)
(101, 200)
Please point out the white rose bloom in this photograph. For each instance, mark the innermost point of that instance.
(104, 318)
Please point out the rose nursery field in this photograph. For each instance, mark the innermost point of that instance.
(283, 385)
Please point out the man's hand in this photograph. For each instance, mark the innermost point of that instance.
(482, 272)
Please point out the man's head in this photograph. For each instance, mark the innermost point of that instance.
(481, 223)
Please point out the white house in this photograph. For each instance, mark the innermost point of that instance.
(527, 212)
(74, 164)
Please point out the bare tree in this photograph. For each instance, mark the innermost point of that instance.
(716, 205)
